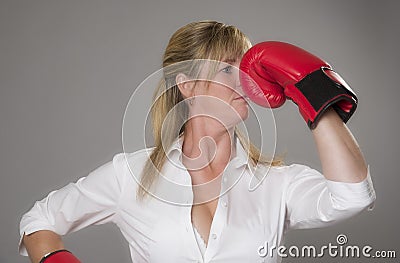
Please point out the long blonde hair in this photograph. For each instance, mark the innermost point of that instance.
(197, 40)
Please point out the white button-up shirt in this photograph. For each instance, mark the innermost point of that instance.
(250, 212)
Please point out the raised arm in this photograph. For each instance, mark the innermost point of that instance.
(274, 71)
(283, 71)
(340, 155)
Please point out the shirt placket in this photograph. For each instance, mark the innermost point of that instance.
(190, 243)
(218, 224)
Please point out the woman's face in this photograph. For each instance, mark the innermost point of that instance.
(221, 96)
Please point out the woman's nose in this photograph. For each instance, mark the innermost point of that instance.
(238, 84)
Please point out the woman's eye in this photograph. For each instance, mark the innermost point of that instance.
(227, 69)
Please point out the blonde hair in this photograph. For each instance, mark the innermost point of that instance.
(197, 40)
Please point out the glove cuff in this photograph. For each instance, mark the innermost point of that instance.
(321, 89)
(59, 256)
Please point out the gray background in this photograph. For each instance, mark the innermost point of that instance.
(68, 68)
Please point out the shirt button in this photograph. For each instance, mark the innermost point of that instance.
(214, 236)
(224, 204)
(225, 179)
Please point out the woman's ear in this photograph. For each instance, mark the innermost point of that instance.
(185, 85)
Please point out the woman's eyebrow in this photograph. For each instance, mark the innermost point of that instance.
(230, 60)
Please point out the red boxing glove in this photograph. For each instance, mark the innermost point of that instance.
(60, 256)
(272, 71)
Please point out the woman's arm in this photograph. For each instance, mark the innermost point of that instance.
(340, 155)
(40, 243)
(92, 200)
(315, 201)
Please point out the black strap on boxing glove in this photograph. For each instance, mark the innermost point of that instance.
(334, 92)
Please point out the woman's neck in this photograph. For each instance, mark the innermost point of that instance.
(207, 145)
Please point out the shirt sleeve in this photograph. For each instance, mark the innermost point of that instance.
(92, 200)
(314, 201)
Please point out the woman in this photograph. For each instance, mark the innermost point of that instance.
(216, 218)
